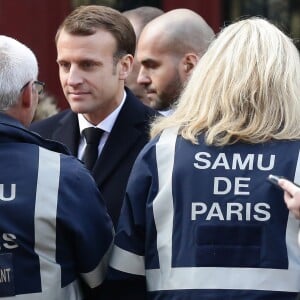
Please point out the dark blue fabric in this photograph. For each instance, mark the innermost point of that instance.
(243, 227)
(83, 227)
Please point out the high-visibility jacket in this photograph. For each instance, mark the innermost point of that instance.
(202, 222)
(55, 232)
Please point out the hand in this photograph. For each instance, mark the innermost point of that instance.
(291, 196)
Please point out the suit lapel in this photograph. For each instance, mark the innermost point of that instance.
(122, 138)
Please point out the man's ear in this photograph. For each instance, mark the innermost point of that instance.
(26, 96)
(190, 60)
(23, 110)
(126, 63)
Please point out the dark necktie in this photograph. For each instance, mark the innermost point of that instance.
(92, 136)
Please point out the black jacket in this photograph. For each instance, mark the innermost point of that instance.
(128, 136)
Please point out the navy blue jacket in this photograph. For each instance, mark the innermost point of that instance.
(202, 222)
(55, 231)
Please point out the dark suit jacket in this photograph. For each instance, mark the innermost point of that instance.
(111, 171)
(128, 136)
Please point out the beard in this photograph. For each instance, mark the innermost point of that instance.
(170, 94)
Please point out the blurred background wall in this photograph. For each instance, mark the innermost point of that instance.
(34, 22)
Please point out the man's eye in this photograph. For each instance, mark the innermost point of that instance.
(64, 65)
(150, 65)
(87, 65)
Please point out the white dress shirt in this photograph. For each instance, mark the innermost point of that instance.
(106, 125)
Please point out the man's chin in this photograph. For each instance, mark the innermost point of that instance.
(79, 109)
(152, 105)
(155, 104)
(152, 98)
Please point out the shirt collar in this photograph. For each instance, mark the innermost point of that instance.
(166, 113)
(106, 124)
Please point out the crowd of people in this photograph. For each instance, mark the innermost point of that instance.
(153, 184)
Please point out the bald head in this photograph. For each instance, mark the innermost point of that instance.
(168, 49)
(181, 30)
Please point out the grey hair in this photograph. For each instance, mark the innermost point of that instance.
(18, 66)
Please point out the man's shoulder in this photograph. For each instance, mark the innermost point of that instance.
(47, 126)
(135, 106)
(53, 119)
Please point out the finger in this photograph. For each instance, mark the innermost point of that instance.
(287, 197)
(288, 186)
(292, 204)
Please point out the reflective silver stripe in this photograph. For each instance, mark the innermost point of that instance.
(45, 218)
(163, 210)
(69, 292)
(225, 278)
(127, 262)
(96, 276)
(168, 278)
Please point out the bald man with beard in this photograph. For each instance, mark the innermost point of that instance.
(168, 49)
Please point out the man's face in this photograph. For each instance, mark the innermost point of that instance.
(159, 73)
(88, 75)
(131, 80)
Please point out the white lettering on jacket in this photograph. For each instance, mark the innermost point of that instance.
(5, 194)
(9, 241)
(262, 162)
(231, 211)
(5, 275)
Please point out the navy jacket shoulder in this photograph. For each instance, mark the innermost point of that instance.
(44, 213)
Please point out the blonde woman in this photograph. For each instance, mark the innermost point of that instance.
(200, 220)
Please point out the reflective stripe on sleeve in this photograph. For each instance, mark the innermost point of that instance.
(127, 262)
(163, 207)
(45, 218)
(225, 278)
(95, 277)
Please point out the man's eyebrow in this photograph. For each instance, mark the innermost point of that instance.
(149, 61)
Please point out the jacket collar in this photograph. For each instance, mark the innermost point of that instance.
(12, 130)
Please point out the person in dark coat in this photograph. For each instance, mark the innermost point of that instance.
(95, 48)
(95, 57)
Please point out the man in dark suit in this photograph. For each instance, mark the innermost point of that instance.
(95, 48)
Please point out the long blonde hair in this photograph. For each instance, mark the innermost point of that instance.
(245, 88)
